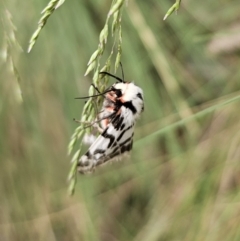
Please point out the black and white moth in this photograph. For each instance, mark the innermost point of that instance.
(122, 105)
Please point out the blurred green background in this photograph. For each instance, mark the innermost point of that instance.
(182, 180)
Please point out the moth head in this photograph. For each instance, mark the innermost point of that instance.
(130, 94)
(117, 91)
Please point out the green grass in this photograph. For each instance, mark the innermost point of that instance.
(182, 180)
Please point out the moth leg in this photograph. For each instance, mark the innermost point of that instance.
(96, 88)
(83, 122)
(77, 121)
(97, 127)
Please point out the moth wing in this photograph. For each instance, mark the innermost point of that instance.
(122, 144)
(116, 139)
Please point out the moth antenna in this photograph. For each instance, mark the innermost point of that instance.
(119, 79)
(86, 97)
(122, 72)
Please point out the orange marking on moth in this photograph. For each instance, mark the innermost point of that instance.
(110, 108)
(119, 112)
(112, 96)
(122, 97)
(105, 122)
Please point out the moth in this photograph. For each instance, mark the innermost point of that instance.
(122, 106)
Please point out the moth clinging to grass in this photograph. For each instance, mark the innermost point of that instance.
(122, 105)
